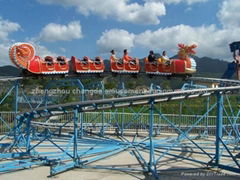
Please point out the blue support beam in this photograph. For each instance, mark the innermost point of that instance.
(74, 149)
(75, 142)
(28, 133)
(219, 126)
(152, 161)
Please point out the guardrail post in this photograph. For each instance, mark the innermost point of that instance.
(82, 98)
(75, 141)
(28, 132)
(152, 162)
(207, 117)
(16, 109)
(122, 88)
(122, 121)
(81, 125)
(103, 113)
(219, 126)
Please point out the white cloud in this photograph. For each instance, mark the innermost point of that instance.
(4, 58)
(189, 2)
(229, 14)
(43, 51)
(62, 49)
(6, 27)
(40, 50)
(211, 41)
(122, 10)
(57, 32)
(117, 39)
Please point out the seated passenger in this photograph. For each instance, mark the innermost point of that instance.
(152, 58)
(237, 61)
(165, 58)
(236, 56)
(113, 56)
(128, 58)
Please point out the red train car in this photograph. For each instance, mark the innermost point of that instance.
(23, 56)
(48, 65)
(86, 65)
(184, 65)
(21, 53)
(125, 67)
(173, 67)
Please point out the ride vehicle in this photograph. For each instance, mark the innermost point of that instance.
(184, 65)
(23, 56)
(125, 67)
(86, 65)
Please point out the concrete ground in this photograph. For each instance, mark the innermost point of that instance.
(41, 173)
(171, 168)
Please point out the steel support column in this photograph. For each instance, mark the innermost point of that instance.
(81, 125)
(16, 109)
(102, 130)
(75, 140)
(219, 126)
(28, 132)
(152, 162)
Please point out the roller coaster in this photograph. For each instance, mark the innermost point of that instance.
(73, 143)
(23, 56)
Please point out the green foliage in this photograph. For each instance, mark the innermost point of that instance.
(110, 85)
(7, 104)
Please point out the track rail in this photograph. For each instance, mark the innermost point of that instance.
(196, 79)
(10, 78)
(104, 104)
(215, 80)
(97, 148)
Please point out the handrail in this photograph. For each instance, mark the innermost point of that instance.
(93, 105)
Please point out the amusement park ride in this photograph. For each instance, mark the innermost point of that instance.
(23, 56)
(70, 144)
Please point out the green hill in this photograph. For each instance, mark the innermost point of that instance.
(9, 71)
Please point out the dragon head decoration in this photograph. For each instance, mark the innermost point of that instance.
(184, 51)
(21, 53)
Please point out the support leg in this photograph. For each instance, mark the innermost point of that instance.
(16, 110)
(152, 163)
(219, 126)
(75, 141)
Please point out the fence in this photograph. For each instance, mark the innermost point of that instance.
(6, 121)
(127, 121)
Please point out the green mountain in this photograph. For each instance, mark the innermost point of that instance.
(9, 71)
(210, 67)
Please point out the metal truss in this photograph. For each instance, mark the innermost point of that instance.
(79, 148)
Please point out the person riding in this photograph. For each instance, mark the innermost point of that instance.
(113, 56)
(152, 58)
(128, 58)
(165, 58)
(236, 56)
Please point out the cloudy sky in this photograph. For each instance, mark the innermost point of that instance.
(94, 27)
